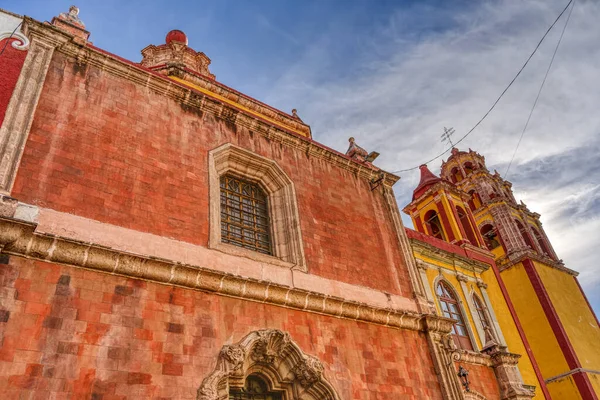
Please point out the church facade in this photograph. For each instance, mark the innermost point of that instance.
(165, 236)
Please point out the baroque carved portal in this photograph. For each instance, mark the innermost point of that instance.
(271, 355)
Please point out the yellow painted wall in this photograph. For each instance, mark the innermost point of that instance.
(501, 310)
(509, 330)
(574, 313)
(564, 389)
(533, 319)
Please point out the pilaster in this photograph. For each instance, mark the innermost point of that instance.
(23, 103)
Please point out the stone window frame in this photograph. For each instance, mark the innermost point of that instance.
(286, 235)
(463, 312)
(272, 355)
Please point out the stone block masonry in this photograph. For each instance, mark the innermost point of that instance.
(71, 333)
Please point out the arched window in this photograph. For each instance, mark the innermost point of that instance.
(474, 201)
(255, 388)
(468, 167)
(464, 220)
(490, 237)
(451, 309)
(433, 225)
(455, 175)
(484, 318)
(541, 241)
(524, 234)
(244, 214)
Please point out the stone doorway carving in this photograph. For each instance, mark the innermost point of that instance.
(271, 356)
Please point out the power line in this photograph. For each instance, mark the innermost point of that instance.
(499, 97)
(539, 91)
(8, 39)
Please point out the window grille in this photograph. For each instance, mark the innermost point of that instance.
(254, 389)
(244, 215)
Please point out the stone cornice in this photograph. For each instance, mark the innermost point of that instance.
(505, 263)
(194, 99)
(427, 250)
(20, 239)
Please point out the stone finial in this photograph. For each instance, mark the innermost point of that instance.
(295, 115)
(357, 153)
(72, 17)
(70, 23)
(175, 58)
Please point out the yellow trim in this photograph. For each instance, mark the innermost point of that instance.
(236, 105)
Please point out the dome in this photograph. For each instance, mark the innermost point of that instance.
(176, 36)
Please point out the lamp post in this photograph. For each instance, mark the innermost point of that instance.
(463, 374)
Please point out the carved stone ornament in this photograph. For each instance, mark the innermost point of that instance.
(270, 345)
(309, 371)
(273, 355)
(21, 42)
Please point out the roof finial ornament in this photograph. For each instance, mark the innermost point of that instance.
(72, 16)
(295, 115)
(357, 153)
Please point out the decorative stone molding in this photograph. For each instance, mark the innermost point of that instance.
(426, 250)
(273, 355)
(22, 42)
(473, 395)
(508, 377)
(441, 348)
(481, 284)
(283, 208)
(418, 286)
(462, 278)
(20, 239)
(21, 108)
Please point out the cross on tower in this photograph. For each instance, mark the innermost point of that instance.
(446, 136)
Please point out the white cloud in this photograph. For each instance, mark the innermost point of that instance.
(406, 87)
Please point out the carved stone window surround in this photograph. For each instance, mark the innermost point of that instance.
(287, 246)
(273, 355)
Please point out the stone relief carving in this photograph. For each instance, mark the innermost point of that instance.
(272, 354)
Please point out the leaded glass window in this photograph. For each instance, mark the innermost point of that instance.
(254, 389)
(244, 214)
(451, 309)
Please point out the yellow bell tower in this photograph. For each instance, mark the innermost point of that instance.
(440, 210)
(558, 322)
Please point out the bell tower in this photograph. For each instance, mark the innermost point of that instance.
(438, 208)
(508, 228)
(556, 317)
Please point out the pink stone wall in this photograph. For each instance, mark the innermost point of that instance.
(70, 333)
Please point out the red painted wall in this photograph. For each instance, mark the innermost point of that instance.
(11, 62)
(105, 148)
(72, 333)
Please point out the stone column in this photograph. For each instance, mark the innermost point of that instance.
(483, 286)
(462, 279)
(441, 348)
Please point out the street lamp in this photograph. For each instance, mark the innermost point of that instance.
(463, 374)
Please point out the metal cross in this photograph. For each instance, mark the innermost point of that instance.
(446, 136)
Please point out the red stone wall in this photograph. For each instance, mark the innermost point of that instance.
(71, 333)
(11, 62)
(105, 148)
(482, 380)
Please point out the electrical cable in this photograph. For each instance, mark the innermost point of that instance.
(8, 38)
(539, 92)
(499, 97)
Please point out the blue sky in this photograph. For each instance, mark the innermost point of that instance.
(394, 73)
